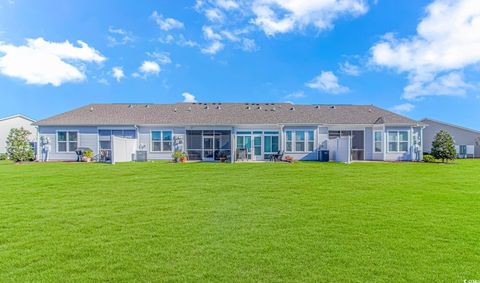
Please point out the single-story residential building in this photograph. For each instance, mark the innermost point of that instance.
(246, 131)
(16, 121)
(467, 141)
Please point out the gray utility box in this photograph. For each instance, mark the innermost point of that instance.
(141, 156)
(323, 155)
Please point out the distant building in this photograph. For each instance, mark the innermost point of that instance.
(16, 121)
(467, 141)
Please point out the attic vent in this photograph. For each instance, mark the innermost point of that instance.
(91, 109)
(317, 107)
(175, 110)
(293, 108)
(206, 107)
(259, 107)
(248, 108)
(218, 107)
(130, 106)
(370, 110)
(333, 107)
(147, 106)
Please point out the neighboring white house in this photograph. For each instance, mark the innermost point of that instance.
(467, 141)
(16, 121)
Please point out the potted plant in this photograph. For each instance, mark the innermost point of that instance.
(87, 155)
(288, 158)
(177, 155)
(183, 158)
(223, 157)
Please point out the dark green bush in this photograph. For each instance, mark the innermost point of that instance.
(428, 158)
(3, 156)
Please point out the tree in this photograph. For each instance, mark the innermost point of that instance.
(443, 147)
(18, 146)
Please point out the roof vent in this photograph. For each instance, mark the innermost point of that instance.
(91, 109)
(273, 109)
(218, 107)
(293, 108)
(317, 107)
(259, 107)
(206, 107)
(333, 107)
(147, 106)
(370, 110)
(175, 110)
(130, 106)
(248, 108)
(189, 108)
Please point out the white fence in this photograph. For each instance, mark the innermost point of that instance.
(123, 149)
(340, 149)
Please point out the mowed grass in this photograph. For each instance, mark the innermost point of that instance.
(272, 222)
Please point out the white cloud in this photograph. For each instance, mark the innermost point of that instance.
(166, 24)
(282, 16)
(214, 15)
(295, 95)
(119, 36)
(149, 68)
(213, 48)
(349, 69)
(227, 4)
(209, 34)
(43, 62)
(447, 41)
(168, 39)
(163, 58)
(188, 97)
(405, 107)
(249, 45)
(327, 82)
(117, 73)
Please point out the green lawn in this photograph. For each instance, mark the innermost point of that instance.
(156, 221)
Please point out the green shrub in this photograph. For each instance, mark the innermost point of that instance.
(428, 158)
(3, 156)
(18, 146)
(88, 153)
(177, 155)
(443, 147)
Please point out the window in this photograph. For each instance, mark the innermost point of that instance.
(270, 144)
(162, 141)
(378, 141)
(398, 141)
(289, 141)
(299, 141)
(311, 140)
(67, 141)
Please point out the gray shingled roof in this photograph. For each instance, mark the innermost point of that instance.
(224, 114)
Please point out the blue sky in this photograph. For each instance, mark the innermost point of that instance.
(418, 58)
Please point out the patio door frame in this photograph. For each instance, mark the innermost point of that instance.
(212, 138)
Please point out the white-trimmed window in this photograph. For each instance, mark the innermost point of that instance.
(289, 140)
(397, 141)
(300, 141)
(161, 141)
(378, 141)
(67, 141)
